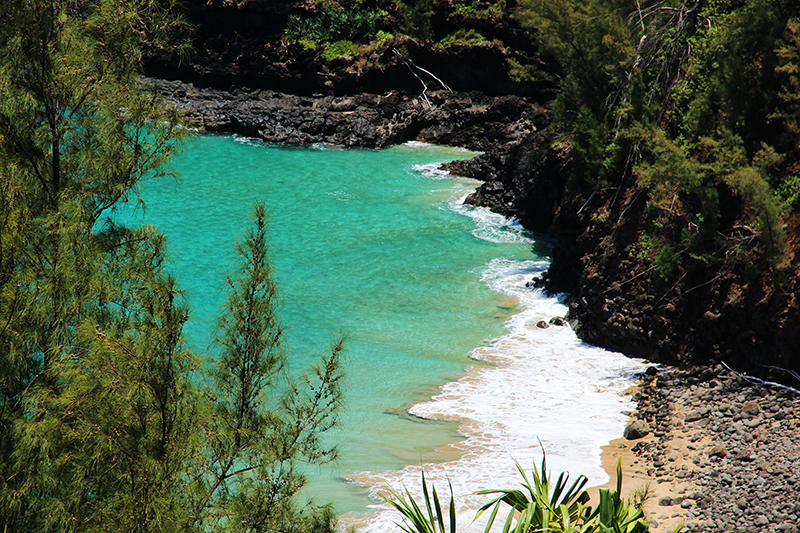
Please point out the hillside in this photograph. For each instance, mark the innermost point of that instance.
(669, 174)
(677, 223)
(348, 47)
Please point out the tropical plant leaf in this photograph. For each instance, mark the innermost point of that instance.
(417, 521)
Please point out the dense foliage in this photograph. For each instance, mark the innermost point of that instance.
(108, 422)
(693, 102)
(368, 28)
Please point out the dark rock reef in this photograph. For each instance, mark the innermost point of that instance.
(471, 120)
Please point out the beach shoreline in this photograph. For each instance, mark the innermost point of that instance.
(720, 454)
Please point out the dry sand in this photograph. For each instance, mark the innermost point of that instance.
(635, 479)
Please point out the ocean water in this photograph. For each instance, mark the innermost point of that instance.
(446, 369)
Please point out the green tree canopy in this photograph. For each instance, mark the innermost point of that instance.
(695, 99)
(104, 422)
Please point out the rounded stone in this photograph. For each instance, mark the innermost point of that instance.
(636, 430)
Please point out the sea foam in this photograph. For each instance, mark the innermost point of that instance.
(533, 390)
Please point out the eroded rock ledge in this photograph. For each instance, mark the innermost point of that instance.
(471, 120)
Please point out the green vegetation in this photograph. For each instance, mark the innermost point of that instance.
(361, 31)
(340, 48)
(416, 18)
(558, 509)
(464, 38)
(429, 521)
(108, 422)
(544, 506)
(693, 101)
(335, 23)
(340, 30)
(640, 496)
(480, 10)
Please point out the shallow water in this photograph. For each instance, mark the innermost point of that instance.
(445, 364)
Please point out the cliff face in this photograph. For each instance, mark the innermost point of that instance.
(702, 313)
(744, 314)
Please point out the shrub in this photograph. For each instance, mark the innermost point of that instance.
(382, 39)
(416, 17)
(666, 262)
(480, 10)
(789, 191)
(464, 38)
(520, 72)
(339, 49)
(334, 24)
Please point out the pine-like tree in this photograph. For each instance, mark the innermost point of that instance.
(76, 136)
(105, 424)
(264, 426)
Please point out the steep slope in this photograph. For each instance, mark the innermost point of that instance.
(742, 313)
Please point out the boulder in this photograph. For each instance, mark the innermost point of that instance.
(693, 416)
(718, 451)
(636, 430)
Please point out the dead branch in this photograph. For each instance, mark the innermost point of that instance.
(411, 66)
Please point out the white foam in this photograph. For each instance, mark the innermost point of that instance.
(491, 226)
(249, 141)
(535, 385)
(341, 195)
(421, 144)
(433, 171)
(326, 147)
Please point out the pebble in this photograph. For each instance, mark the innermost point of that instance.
(745, 451)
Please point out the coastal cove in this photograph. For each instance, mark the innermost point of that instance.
(273, 266)
(431, 296)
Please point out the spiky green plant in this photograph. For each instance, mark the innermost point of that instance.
(543, 506)
(552, 508)
(418, 521)
(613, 514)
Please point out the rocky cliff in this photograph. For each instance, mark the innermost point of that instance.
(245, 77)
(744, 314)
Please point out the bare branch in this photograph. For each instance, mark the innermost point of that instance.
(411, 66)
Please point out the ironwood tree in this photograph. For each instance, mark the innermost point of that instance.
(689, 101)
(105, 421)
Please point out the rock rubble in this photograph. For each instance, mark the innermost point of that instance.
(734, 442)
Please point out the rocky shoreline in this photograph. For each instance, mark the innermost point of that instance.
(721, 451)
(470, 120)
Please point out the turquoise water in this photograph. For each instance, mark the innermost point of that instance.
(373, 245)
(446, 365)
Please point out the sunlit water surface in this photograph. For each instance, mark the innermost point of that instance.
(445, 364)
